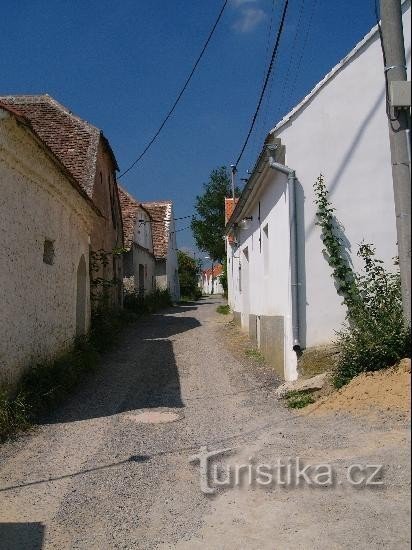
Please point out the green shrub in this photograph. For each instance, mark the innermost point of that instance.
(14, 414)
(299, 400)
(224, 310)
(375, 335)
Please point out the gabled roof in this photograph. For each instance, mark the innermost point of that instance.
(161, 213)
(217, 271)
(24, 121)
(130, 208)
(73, 140)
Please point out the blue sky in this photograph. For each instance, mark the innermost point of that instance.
(120, 65)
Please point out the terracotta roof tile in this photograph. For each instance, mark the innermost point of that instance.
(217, 271)
(161, 213)
(73, 140)
(18, 114)
(129, 207)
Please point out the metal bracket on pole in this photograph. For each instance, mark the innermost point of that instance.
(234, 170)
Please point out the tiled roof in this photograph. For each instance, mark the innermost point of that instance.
(129, 207)
(230, 204)
(18, 114)
(161, 213)
(73, 140)
(217, 271)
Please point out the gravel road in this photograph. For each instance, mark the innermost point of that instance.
(94, 475)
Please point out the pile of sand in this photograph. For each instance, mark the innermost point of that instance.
(385, 390)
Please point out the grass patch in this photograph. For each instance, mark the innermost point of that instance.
(299, 399)
(224, 310)
(254, 353)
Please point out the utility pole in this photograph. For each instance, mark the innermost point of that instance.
(233, 170)
(399, 136)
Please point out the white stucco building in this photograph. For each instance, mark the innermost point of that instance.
(46, 221)
(164, 246)
(280, 286)
(139, 263)
(211, 280)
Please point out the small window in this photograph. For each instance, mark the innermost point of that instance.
(48, 252)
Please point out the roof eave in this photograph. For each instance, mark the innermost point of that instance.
(255, 181)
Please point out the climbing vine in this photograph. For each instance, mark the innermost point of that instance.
(375, 334)
(334, 250)
(100, 286)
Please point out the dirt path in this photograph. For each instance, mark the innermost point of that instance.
(94, 476)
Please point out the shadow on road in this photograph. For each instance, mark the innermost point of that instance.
(21, 536)
(141, 373)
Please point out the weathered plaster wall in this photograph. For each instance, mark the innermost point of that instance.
(107, 233)
(142, 253)
(38, 301)
(144, 258)
(171, 262)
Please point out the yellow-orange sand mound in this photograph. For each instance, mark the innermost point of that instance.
(387, 390)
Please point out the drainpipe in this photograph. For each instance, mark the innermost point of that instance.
(294, 264)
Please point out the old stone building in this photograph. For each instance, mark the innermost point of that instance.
(164, 246)
(138, 260)
(86, 154)
(46, 219)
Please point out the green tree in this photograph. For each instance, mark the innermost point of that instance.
(208, 224)
(189, 270)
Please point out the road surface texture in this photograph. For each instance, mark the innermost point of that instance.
(95, 475)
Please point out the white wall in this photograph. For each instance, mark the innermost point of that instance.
(143, 252)
(171, 261)
(342, 132)
(143, 230)
(38, 301)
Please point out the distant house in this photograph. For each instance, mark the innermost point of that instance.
(138, 260)
(211, 280)
(279, 283)
(164, 246)
(46, 219)
(86, 154)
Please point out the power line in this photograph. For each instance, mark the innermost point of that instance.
(305, 43)
(189, 78)
(183, 229)
(268, 73)
(162, 220)
(259, 130)
(287, 76)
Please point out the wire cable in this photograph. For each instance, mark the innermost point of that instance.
(259, 128)
(305, 43)
(293, 49)
(183, 229)
(189, 78)
(268, 73)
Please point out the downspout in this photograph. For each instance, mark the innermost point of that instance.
(294, 264)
